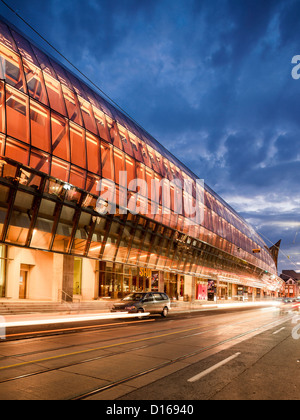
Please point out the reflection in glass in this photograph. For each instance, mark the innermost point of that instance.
(17, 115)
(35, 83)
(55, 94)
(40, 126)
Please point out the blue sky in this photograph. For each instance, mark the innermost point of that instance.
(210, 80)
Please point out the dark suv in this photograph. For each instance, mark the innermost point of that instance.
(152, 302)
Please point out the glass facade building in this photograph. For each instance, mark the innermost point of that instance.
(58, 140)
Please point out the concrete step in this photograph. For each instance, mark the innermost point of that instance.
(25, 307)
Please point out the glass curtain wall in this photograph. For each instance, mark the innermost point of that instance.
(71, 137)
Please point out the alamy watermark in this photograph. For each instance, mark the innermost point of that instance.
(296, 68)
(162, 196)
(296, 329)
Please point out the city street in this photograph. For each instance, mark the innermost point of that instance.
(248, 353)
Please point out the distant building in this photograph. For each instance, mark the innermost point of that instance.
(292, 281)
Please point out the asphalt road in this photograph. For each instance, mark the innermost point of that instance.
(235, 354)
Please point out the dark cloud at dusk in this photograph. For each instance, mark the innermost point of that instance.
(210, 80)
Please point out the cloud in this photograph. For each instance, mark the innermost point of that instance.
(210, 80)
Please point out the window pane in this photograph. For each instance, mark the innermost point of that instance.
(42, 233)
(77, 177)
(114, 134)
(6, 38)
(136, 149)
(40, 161)
(64, 229)
(101, 124)
(141, 175)
(40, 126)
(55, 94)
(72, 106)
(35, 83)
(11, 69)
(2, 108)
(119, 165)
(97, 238)
(130, 169)
(125, 141)
(24, 47)
(4, 197)
(110, 246)
(60, 138)
(153, 160)
(77, 141)
(17, 151)
(88, 116)
(92, 183)
(60, 169)
(107, 161)
(16, 114)
(20, 221)
(81, 234)
(44, 62)
(93, 153)
(61, 75)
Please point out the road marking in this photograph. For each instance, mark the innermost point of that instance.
(96, 349)
(211, 369)
(276, 332)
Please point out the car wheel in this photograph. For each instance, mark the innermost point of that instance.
(140, 311)
(164, 312)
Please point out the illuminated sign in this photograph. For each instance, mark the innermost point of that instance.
(145, 272)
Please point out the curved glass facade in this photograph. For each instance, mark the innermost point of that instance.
(59, 138)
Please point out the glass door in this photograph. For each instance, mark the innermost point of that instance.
(23, 284)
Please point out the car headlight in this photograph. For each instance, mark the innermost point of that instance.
(130, 308)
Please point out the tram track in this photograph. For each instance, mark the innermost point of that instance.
(105, 329)
(173, 361)
(141, 373)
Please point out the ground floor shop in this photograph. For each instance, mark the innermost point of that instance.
(34, 274)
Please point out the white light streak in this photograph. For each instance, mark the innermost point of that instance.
(75, 318)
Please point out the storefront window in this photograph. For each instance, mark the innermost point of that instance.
(20, 221)
(42, 235)
(64, 229)
(80, 239)
(77, 282)
(98, 237)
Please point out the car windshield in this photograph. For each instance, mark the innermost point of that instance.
(134, 297)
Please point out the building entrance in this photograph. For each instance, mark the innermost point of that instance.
(23, 284)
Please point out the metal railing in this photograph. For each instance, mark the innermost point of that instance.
(64, 297)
